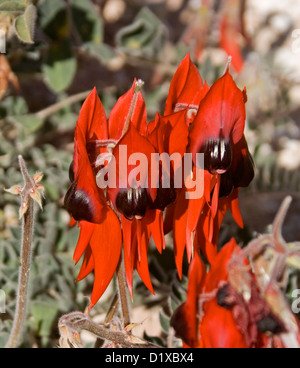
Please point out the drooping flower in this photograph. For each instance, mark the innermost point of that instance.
(227, 308)
(100, 237)
(216, 132)
(102, 211)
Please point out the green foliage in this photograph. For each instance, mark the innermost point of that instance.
(60, 66)
(25, 24)
(12, 5)
(146, 36)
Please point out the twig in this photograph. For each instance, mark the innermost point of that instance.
(278, 223)
(43, 114)
(73, 324)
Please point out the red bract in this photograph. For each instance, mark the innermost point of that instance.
(98, 211)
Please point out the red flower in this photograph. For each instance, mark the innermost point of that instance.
(231, 33)
(206, 324)
(229, 21)
(217, 132)
(99, 210)
(87, 204)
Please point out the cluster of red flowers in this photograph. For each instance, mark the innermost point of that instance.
(197, 119)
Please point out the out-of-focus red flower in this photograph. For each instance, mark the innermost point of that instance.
(227, 308)
(101, 212)
(206, 324)
(231, 33)
(229, 23)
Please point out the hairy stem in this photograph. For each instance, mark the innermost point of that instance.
(109, 316)
(24, 272)
(123, 292)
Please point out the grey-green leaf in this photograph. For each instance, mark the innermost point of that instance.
(25, 24)
(12, 5)
(60, 67)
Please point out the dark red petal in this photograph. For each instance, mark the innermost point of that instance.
(106, 245)
(86, 231)
(88, 264)
(169, 218)
(185, 86)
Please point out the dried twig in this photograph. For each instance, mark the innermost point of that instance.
(71, 325)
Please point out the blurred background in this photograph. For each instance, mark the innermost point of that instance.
(56, 51)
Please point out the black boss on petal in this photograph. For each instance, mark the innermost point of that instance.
(217, 155)
(164, 197)
(133, 202)
(79, 204)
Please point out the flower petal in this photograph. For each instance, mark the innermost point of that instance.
(218, 271)
(185, 88)
(106, 245)
(218, 328)
(180, 224)
(88, 264)
(92, 121)
(86, 231)
(127, 105)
